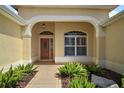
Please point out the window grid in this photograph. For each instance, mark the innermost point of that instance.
(76, 45)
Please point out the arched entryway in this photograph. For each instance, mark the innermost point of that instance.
(99, 34)
(42, 41)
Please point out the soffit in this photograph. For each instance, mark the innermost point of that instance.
(110, 7)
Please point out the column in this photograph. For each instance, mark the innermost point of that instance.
(100, 46)
(27, 44)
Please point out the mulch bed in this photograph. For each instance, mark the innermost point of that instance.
(65, 82)
(107, 74)
(113, 76)
(27, 78)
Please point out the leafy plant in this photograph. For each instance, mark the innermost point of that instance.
(19, 71)
(1, 78)
(81, 82)
(12, 76)
(72, 70)
(94, 69)
(29, 68)
(122, 81)
(1, 72)
(8, 79)
(20, 67)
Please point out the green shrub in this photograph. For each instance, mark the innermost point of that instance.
(12, 76)
(29, 68)
(72, 69)
(8, 79)
(81, 82)
(1, 72)
(122, 81)
(22, 70)
(19, 71)
(94, 69)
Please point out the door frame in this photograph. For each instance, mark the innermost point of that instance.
(45, 36)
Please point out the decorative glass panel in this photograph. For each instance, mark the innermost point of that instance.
(69, 51)
(75, 33)
(69, 41)
(84, 41)
(81, 51)
(81, 40)
(46, 33)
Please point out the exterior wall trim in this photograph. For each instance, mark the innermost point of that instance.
(82, 59)
(9, 14)
(114, 66)
(62, 18)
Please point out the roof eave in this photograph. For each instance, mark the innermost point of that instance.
(113, 19)
(9, 14)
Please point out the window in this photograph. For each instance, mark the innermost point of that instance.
(46, 33)
(75, 43)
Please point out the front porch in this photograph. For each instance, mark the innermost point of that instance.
(64, 42)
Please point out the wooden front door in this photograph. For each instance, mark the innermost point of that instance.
(46, 47)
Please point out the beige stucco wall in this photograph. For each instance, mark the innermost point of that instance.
(115, 46)
(10, 42)
(63, 27)
(29, 12)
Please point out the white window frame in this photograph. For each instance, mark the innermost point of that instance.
(75, 36)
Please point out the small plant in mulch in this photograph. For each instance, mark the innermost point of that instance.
(8, 79)
(76, 75)
(81, 82)
(72, 69)
(11, 78)
(94, 69)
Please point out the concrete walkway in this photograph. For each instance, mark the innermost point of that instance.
(45, 77)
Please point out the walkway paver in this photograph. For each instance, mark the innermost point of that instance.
(45, 77)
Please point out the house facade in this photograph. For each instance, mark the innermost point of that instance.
(62, 34)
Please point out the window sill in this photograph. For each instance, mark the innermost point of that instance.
(77, 56)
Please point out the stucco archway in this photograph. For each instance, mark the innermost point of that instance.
(30, 23)
(99, 33)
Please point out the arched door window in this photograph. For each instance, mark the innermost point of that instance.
(75, 43)
(46, 33)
